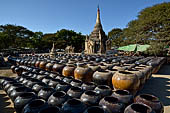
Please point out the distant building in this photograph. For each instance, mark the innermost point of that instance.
(97, 41)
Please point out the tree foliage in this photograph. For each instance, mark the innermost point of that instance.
(12, 36)
(152, 26)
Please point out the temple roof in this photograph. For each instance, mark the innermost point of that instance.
(97, 27)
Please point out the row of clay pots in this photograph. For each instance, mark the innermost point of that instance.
(114, 103)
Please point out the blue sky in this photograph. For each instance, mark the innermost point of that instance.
(49, 16)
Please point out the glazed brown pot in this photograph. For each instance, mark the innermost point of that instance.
(103, 78)
(123, 96)
(140, 75)
(138, 108)
(58, 67)
(112, 104)
(126, 81)
(83, 73)
(151, 101)
(37, 63)
(42, 65)
(68, 70)
(49, 66)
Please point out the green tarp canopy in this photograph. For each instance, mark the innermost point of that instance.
(134, 47)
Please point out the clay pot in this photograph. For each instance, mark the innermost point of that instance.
(138, 108)
(68, 70)
(50, 109)
(38, 86)
(46, 79)
(112, 104)
(76, 83)
(35, 106)
(102, 78)
(126, 81)
(18, 91)
(151, 101)
(75, 92)
(83, 73)
(19, 71)
(140, 75)
(88, 86)
(103, 90)
(49, 66)
(22, 100)
(90, 98)
(95, 109)
(53, 83)
(58, 67)
(32, 82)
(42, 65)
(103, 67)
(68, 79)
(63, 86)
(73, 106)
(123, 96)
(45, 93)
(94, 67)
(57, 98)
(13, 87)
(113, 71)
(13, 68)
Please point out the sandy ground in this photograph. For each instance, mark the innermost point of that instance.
(158, 85)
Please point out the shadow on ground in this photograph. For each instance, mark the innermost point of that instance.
(159, 85)
(5, 103)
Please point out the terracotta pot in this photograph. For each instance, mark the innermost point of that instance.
(37, 63)
(68, 70)
(138, 108)
(83, 73)
(112, 104)
(57, 98)
(103, 78)
(58, 67)
(90, 98)
(22, 100)
(95, 109)
(73, 106)
(126, 81)
(123, 96)
(75, 92)
(103, 90)
(42, 65)
(151, 101)
(88, 86)
(35, 106)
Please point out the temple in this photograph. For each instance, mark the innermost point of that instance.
(96, 42)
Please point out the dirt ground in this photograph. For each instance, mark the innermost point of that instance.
(158, 85)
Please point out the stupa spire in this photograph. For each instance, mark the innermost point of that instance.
(98, 16)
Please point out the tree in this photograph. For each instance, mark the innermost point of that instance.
(151, 25)
(116, 35)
